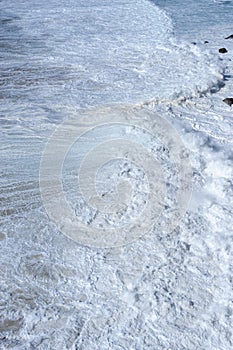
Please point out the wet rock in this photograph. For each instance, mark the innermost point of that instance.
(229, 37)
(229, 101)
(223, 50)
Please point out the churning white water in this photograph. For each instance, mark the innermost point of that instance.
(167, 290)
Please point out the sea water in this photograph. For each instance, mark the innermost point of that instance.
(165, 291)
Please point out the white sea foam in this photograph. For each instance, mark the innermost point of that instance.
(165, 291)
(118, 51)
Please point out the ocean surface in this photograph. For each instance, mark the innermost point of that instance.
(76, 63)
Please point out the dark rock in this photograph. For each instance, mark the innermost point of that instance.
(228, 100)
(230, 37)
(222, 50)
(206, 42)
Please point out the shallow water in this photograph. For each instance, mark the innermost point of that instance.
(165, 291)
